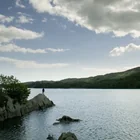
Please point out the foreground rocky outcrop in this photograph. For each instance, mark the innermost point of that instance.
(11, 109)
(66, 119)
(68, 136)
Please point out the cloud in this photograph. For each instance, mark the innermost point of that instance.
(56, 50)
(10, 33)
(21, 13)
(124, 49)
(31, 64)
(44, 20)
(120, 17)
(5, 19)
(24, 19)
(15, 48)
(19, 4)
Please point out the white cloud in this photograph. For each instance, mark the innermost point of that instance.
(120, 17)
(5, 19)
(31, 64)
(15, 48)
(24, 19)
(56, 50)
(10, 33)
(124, 49)
(44, 20)
(21, 13)
(19, 4)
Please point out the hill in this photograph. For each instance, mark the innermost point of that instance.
(129, 79)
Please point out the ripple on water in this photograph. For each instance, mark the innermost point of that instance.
(105, 115)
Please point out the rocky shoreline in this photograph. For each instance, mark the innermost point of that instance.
(11, 109)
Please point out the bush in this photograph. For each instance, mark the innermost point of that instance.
(3, 98)
(18, 92)
(14, 89)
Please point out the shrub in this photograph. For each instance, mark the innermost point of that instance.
(14, 89)
(3, 98)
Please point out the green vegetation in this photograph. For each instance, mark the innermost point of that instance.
(127, 79)
(3, 98)
(11, 87)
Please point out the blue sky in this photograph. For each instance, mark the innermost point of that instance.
(57, 39)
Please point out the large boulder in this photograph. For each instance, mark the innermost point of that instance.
(38, 102)
(66, 119)
(68, 136)
(11, 109)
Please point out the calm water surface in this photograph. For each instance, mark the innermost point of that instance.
(106, 115)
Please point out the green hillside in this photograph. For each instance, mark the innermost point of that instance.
(126, 79)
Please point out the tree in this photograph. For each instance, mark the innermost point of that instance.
(3, 98)
(10, 86)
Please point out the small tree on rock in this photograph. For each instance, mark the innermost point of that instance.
(10, 86)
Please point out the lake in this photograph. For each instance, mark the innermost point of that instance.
(105, 114)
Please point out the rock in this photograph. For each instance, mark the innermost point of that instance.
(50, 137)
(38, 102)
(11, 110)
(68, 136)
(55, 123)
(66, 119)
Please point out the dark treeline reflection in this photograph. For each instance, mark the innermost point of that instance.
(11, 126)
(16, 122)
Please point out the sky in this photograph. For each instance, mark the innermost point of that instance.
(58, 39)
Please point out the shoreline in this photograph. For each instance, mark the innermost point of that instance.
(11, 110)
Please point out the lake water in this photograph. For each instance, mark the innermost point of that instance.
(105, 115)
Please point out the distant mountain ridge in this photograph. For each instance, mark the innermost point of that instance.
(129, 79)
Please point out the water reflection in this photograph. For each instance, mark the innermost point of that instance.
(12, 126)
(105, 114)
(15, 122)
